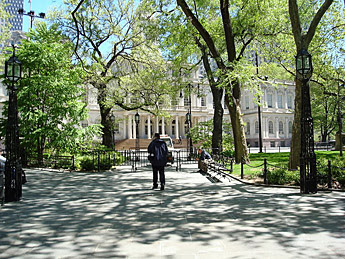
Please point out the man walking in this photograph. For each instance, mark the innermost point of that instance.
(158, 151)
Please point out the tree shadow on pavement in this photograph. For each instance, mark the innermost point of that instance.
(115, 214)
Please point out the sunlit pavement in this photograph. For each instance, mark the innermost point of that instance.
(116, 215)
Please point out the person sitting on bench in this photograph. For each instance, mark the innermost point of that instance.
(203, 160)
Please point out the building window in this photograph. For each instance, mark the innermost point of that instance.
(186, 101)
(247, 102)
(173, 127)
(117, 127)
(269, 100)
(281, 127)
(290, 127)
(270, 127)
(272, 144)
(248, 128)
(256, 127)
(282, 143)
(203, 101)
(174, 101)
(289, 101)
(280, 101)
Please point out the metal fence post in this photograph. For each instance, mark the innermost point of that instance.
(265, 171)
(98, 160)
(329, 175)
(241, 169)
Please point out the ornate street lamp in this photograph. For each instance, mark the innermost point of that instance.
(13, 166)
(308, 174)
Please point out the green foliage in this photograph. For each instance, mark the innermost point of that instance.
(50, 100)
(202, 133)
(337, 169)
(283, 176)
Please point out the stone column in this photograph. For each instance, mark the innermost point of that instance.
(277, 127)
(163, 125)
(129, 130)
(134, 129)
(149, 127)
(177, 131)
(157, 124)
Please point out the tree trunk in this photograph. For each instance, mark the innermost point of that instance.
(295, 148)
(107, 137)
(217, 136)
(241, 152)
(217, 95)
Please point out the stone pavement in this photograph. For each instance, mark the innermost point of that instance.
(116, 215)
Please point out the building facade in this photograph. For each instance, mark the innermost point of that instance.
(277, 113)
(16, 20)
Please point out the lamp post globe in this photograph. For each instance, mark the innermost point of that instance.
(137, 118)
(13, 68)
(304, 65)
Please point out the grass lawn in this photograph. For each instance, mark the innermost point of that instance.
(255, 168)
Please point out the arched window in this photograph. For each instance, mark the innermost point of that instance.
(281, 127)
(290, 127)
(289, 101)
(248, 128)
(280, 101)
(270, 127)
(269, 100)
(256, 127)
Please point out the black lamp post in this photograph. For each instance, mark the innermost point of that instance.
(137, 148)
(112, 118)
(137, 120)
(308, 175)
(189, 121)
(13, 166)
(259, 105)
(32, 15)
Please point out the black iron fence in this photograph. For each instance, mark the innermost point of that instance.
(139, 158)
(97, 160)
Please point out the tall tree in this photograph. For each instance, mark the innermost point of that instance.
(184, 48)
(227, 46)
(50, 102)
(303, 38)
(111, 44)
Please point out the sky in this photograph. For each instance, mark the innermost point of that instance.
(39, 6)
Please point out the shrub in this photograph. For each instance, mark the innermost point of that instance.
(87, 163)
(282, 176)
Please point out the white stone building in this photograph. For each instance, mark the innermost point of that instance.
(276, 113)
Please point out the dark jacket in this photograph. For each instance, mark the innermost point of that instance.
(159, 149)
(204, 155)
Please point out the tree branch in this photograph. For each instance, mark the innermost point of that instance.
(316, 20)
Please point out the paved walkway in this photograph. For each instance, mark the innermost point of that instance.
(116, 215)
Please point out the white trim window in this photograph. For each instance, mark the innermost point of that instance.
(280, 101)
(281, 127)
(248, 128)
(269, 100)
(270, 127)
